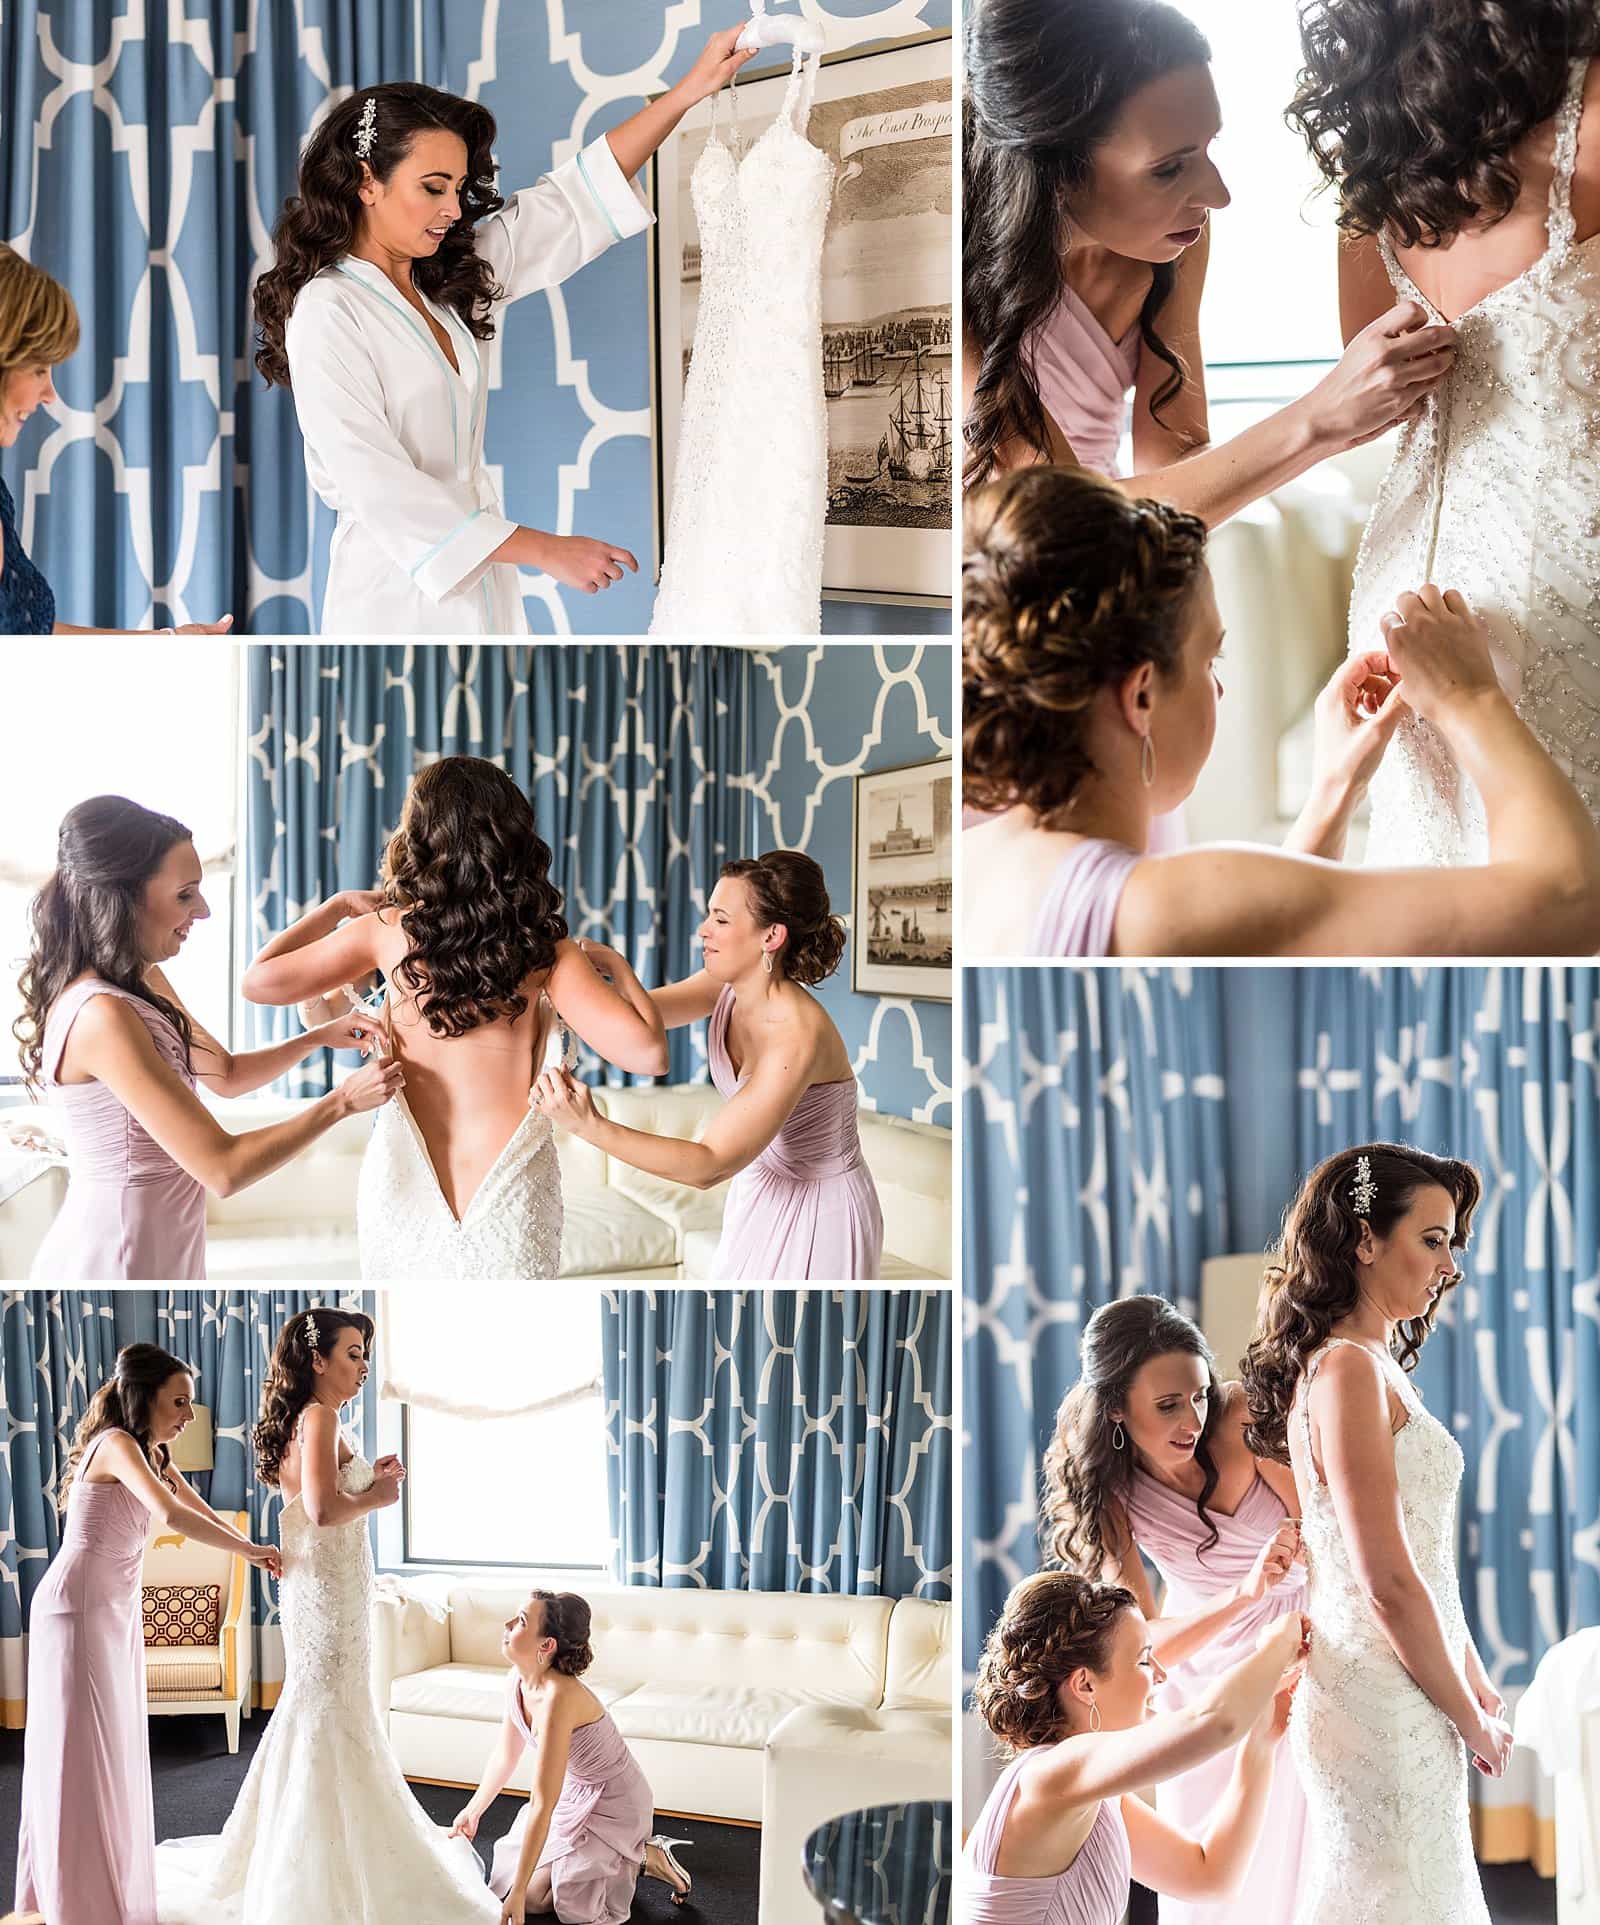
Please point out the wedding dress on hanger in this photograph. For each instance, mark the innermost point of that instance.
(1493, 491)
(750, 491)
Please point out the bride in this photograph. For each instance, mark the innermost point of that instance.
(1395, 1702)
(325, 1826)
(480, 973)
(1473, 186)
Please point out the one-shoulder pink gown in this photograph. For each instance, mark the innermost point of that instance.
(1093, 1890)
(807, 1206)
(87, 1850)
(130, 1211)
(1167, 1528)
(595, 1847)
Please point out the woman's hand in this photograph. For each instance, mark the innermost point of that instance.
(356, 1030)
(577, 562)
(1272, 1561)
(1494, 1706)
(565, 1100)
(388, 1474)
(360, 902)
(1490, 1744)
(1290, 1638)
(514, 1909)
(201, 628)
(466, 1825)
(1354, 722)
(1387, 372)
(389, 1466)
(373, 1085)
(1440, 649)
(717, 65)
(602, 958)
(267, 1558)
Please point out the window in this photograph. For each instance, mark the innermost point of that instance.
(162, 727)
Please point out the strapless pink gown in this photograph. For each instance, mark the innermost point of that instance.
(807, 1207)
(1167, 1528)
(87, 1850)
(130, 1211)
(595, 1847)
(1093, 1890)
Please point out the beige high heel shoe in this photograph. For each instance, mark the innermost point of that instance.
(661, 1861)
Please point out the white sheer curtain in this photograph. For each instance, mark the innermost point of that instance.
(499, 1350)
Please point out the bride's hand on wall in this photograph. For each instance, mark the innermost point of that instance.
(718, 63)
(1440, 649)
(373, 1085)
(1354, 721)
(1387, 372)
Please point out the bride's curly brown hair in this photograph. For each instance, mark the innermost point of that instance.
(1067, 586)
(1312, 1279)
(291, 1381)
(470, 875)
(1413, 109)
(322, 222)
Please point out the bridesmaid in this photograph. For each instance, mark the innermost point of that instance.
(106, 1034)
(1149, 1456)
(802, 1203)
(1066, 1683)
(579, 1844)
(86, 1855)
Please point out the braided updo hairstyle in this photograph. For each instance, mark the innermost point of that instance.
(1313, 1281)
(1054, 1623)
(788, 887)
(566, 1619)
(1067, 587)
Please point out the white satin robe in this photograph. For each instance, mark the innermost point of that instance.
(394, 435)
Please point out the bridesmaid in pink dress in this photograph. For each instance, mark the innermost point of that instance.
(86, 1853)
(579, 1845)
(106, 1034)
(1149, 1457)
(1066, 1683)
(802, 1203)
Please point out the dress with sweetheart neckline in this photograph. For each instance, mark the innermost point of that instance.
(1493, 491)
(750, 488)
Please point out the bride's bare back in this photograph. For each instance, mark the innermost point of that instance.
(467, 1094)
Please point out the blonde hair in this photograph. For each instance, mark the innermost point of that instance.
(38, 321)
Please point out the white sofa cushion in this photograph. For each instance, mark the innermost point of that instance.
(466, 1691)
(605, 1232)
(744, 1716)
(921, 1663)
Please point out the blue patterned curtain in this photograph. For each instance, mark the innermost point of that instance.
(56, 1348)
(781, 1440)
(144, 169)
(1095, 1154)
(1498, 1066)
(633, 758)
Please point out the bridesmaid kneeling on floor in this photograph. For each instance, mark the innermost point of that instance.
(1149, 1460)
(1067, 1683)
(583, 1838)
(86, 1854)
(802, 1203)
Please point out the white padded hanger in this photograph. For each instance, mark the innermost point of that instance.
(781, 30)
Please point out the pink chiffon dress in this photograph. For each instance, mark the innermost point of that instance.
(1167, 1528)
(595, 1848)
(130, 1211)
(807, 1206)
(1093, 1890)
(1079, 910)
(87, 1849)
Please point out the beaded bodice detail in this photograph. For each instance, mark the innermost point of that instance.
(1493, 491)
(325, 1597)
(1384, 1770)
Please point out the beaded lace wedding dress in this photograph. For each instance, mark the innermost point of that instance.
(325, 1826)
(511, 1226)
(750, 490)
(1384, 1770)
(1494, 491)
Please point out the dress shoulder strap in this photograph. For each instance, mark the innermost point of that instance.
(1562, 226)
(1312, 1365)
(992, 1819)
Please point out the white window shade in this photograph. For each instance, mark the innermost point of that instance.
(499, 1350)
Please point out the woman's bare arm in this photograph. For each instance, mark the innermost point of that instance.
(237, 1072)
(552, 1747)
(617, 1019)
(325, 1503)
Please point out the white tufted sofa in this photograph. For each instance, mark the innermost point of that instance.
(748, 1705)
(298, 1225)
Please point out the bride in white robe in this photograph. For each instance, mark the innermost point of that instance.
(384, 342)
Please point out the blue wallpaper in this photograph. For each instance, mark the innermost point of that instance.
(169, 485)
(819, 717)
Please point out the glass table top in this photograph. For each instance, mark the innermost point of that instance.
(889, 1865)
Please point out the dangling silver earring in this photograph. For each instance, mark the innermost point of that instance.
(1147, 762)
(1119, 1438)
(766, 960)
(1094, 1717)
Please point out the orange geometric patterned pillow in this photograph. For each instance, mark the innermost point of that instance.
(182, 1613)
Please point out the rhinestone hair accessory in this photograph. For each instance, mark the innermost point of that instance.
(1363, 1190)
(313, 1334)
(367, 132)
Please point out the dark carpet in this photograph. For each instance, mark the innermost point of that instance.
(196, 1782)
